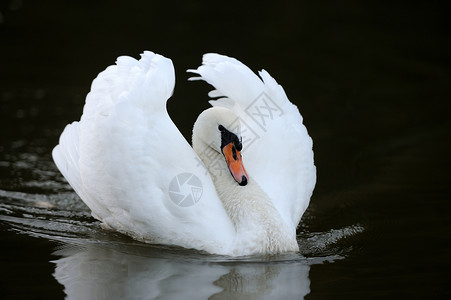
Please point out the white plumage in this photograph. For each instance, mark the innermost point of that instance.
(123, 154)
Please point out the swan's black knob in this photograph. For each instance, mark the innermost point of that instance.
(243, 181)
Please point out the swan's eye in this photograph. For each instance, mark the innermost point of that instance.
(234, 153)
(221, 128)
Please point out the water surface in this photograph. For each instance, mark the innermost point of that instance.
(371, 80)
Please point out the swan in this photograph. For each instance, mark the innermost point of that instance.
(241, 189)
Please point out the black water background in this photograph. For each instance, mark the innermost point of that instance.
(371, 80)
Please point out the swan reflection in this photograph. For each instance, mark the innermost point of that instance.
(102, 272)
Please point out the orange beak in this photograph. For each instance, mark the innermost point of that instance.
(235, 163)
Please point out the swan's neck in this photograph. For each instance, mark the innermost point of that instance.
(258, 224)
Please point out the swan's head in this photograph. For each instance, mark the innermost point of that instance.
(218, 129)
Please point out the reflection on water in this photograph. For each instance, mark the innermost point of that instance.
(98, 264)
(99, 272)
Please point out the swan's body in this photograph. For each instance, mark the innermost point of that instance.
(127, 160)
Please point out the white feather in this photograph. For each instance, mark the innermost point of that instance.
(123, 154)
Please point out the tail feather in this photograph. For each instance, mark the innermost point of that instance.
(231, 78)
(132, 80)
(235, 83)
(65, 155)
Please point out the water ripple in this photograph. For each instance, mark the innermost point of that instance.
(63, 217)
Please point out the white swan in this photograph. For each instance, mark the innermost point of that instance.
(130, 164)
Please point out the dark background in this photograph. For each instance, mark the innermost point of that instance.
(371, 79)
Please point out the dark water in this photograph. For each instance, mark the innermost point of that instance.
(371, 80)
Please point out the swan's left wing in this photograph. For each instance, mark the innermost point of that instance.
(277, 150)
(130, 164)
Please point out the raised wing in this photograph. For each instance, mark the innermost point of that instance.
(130, 164)
(277, 150)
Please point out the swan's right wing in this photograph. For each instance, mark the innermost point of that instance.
(130, 164)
